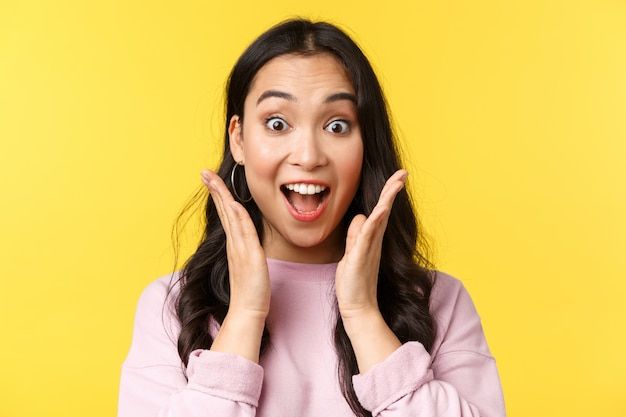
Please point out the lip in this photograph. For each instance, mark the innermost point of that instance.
(308, 217)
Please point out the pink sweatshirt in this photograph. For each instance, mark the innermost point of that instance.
(297, 376)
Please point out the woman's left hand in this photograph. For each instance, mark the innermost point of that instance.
(356, 278)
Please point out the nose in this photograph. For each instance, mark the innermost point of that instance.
(307, 151)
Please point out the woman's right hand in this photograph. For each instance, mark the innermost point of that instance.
(248, 273)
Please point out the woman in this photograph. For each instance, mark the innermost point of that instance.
(309, 294)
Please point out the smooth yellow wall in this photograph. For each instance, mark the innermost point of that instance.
(513, 114)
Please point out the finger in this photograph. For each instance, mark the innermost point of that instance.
(353, 231)
(245, 228)
(371, 225)
(208, 179)
(392, 191)
(235, 228)
(370, 230)
(234, 247)
(376, 223)
(220, 186)
(383, 218)
(393, 185)
(226, 200)
(399, 175)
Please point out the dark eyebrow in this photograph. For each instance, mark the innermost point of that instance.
(281, 94)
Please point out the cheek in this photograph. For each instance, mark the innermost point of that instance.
(261, 166)
(259, 150)
(350, 168)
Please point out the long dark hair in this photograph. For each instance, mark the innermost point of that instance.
(406, 274)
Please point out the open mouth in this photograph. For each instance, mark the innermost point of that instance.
(307, 203)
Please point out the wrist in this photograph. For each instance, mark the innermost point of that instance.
(356, 323)
(246, 315)
(241, 335)
(371, 338)
(251, 323)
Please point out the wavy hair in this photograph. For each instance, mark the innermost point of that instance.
(406, 274)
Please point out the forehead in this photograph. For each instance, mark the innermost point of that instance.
(302, 75)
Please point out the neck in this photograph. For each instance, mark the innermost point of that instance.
(328, 251)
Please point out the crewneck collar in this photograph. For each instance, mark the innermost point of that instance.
(297, 271)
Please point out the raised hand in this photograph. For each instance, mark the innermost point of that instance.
(248, 272)
(356, 278)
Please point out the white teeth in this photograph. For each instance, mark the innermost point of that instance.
(306, 189)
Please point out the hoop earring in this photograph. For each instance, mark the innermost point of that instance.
(232, 181)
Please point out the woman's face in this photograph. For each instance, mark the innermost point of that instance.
(300, 126)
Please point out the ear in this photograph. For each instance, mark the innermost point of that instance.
(235, 138)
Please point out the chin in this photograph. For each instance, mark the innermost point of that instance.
(305, 239)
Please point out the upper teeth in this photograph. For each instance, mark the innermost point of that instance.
(306, 188)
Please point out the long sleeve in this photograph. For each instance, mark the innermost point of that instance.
(153, 382)
(460, 381)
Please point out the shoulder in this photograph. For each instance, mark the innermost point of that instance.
(157, 303)
(459, 325)
(445, 291)
(156, 327)
(159, 294)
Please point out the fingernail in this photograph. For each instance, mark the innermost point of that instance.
(208, 183)
(206, 177)
(406, 174)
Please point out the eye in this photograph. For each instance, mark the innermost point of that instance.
(339, 126)
(275, 123)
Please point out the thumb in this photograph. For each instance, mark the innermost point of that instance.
(353, 230)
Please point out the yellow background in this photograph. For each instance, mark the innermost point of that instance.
(513, 115)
